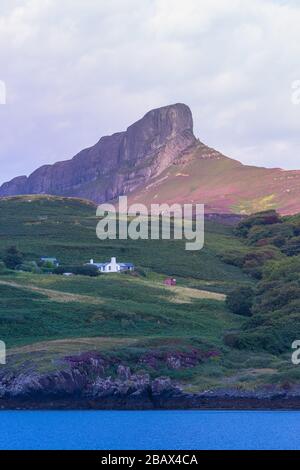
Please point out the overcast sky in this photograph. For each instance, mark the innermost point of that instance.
(79, 69)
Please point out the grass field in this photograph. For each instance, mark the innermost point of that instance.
(43, 317)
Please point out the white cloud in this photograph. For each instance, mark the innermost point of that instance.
(78, 69)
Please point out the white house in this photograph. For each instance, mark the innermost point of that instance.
(112, 266)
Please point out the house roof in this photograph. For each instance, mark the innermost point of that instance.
(46, 258)
(101, 265)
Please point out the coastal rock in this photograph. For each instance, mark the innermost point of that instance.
(89, 380)
(177, 359)
(85, 376)
(161, 384)
(123, 372)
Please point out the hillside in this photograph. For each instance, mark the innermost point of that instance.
(158, 159)
(64, 332)
(225, 185)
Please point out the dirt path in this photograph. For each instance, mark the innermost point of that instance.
(180, 294)
(55, 295)
(73, 345)
(183, 294)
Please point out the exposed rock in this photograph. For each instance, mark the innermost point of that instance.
(85, 376)
(158, 159)
(116, 164)
(176, 359)
(123, 372)
(81, 386)
(162, 384)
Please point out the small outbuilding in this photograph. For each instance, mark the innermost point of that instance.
(170, 282)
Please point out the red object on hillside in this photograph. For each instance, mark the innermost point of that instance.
(170, 282)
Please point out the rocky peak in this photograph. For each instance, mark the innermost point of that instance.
(117, 164)
(158, 127)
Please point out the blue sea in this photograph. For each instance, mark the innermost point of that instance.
(121, 430)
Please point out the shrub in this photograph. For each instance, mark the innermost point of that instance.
(262, 218)
(285, 270)
(235, 258)
(240, 301)
(80, 270)
(292, 247)
(231, 340)
(29, 266)
(254, 260)
(12, 257)
(257, 233)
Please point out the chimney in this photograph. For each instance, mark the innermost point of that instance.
(91, 261)
(113, 260)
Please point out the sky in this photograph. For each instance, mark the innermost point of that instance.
(75, 70)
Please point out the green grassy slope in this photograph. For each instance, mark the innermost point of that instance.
(66, 229)
(122, 315)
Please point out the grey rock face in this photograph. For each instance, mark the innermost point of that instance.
(117, 164)
(85, 376)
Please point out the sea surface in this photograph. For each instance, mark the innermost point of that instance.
(146, 430)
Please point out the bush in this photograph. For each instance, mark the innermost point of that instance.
(254, 260)
(265, 339)
(262, 218)
(240, 301)
(286, 270)
(79, 270)
(29, 266)
(231, 340)
(265, 232)
(292, 247)
(13, 257)
(235, 258)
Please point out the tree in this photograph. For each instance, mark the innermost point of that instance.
(80, 270)
(268, 217)
(240, 301)
(13, 257)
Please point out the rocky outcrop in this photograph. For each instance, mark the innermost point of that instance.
(117, 164)
(85, 376)
(176, 360)
(90, 381)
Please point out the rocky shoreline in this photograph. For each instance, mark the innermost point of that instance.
(89, 381)
(184, 402)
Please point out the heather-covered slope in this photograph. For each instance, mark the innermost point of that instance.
(205, 176)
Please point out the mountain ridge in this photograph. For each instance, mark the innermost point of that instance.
(159, 159)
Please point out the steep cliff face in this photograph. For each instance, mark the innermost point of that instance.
(117, 164)
(158, 159)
